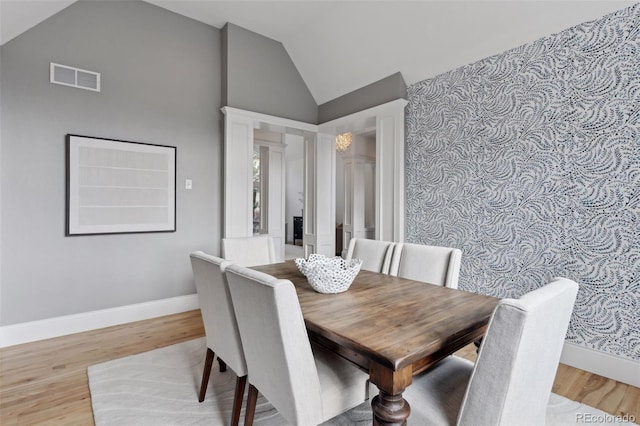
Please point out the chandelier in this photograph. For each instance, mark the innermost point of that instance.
(343, 141)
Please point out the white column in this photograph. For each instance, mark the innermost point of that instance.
(238, 182)
(390, 174)
(319, 186)
(276, 198)
(357, 198)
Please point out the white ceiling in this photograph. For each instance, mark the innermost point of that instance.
(340, 46)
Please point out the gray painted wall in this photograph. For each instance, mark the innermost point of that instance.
(382, 91)
(161, 76)
(261, 77)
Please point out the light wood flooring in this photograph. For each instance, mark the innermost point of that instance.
(46, 382)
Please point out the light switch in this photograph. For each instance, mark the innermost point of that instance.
(188, 184)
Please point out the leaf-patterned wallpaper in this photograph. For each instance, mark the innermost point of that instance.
(529, 161)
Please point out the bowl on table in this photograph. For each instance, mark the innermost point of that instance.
(329, 274)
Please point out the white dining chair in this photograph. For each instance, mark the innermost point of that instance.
(430, 264)
(306, 385)
(375, 254)
(249, 251)
(220, 326)
(511, 381)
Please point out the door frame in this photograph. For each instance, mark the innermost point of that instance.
(320, 159)
(239, 128)
(388, 120)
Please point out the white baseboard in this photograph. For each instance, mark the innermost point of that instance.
(624, 370)
(614, 367)
(26, 332)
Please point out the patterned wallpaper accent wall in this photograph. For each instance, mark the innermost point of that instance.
(529, 161)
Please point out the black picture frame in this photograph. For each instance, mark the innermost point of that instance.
(119, 187)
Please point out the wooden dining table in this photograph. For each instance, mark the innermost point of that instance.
(391, 327)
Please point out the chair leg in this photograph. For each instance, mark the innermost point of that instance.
(250, 411)
(237, 400)
(205, 374)
(223, 366)
(478, 343)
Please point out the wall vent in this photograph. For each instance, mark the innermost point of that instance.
(75, 77)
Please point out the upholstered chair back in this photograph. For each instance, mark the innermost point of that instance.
(220, 325)
(430, 264)
(513, 376)
(249, 251)
(279, 356)
(375, 254)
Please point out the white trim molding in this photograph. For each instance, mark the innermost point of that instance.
(32, 331)
(623, 370)
(271, 122)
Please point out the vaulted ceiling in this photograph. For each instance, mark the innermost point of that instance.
(340, 46)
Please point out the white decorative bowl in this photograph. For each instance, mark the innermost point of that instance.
(329, 274)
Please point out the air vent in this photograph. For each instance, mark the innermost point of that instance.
(75, 77)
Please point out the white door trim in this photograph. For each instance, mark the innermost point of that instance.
(271, 121)
(238, 178)
(388, 120)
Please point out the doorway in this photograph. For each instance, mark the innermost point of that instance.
(278, 190)
(240, 192)
(387, 122)
(319, 165)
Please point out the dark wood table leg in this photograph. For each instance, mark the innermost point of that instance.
(389, 407)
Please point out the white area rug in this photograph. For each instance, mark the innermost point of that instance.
(160, 387)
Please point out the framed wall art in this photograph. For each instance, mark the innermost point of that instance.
(116, 186)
